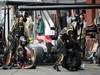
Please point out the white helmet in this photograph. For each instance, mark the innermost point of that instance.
(23, 41)
(22, 38)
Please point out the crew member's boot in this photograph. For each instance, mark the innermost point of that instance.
(56, 68)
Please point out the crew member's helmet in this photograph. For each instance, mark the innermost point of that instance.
(69, 30)
(23, 40)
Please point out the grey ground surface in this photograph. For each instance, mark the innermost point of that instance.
(90, 69)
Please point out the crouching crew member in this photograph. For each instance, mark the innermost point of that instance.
(65, 41)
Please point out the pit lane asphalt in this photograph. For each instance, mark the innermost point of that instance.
(90, 69)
